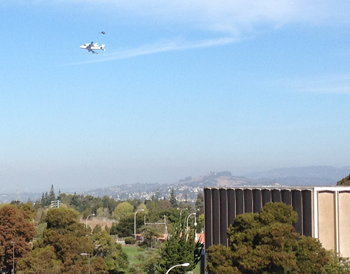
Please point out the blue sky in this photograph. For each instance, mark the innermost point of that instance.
(183, 88)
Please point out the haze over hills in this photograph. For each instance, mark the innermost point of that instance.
(189, 187)
(312, 175)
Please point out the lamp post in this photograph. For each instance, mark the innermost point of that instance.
(180, 214)
(183, 265)
(87, 219)
(13, 257)
(135, 220)
(188, 218)
(86, 254)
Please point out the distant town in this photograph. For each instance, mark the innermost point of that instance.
(187, 189)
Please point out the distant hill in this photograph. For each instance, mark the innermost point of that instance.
(312, 175)
(215, 179)
(188, 188)
(344, 182)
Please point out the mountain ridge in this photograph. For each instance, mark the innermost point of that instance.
(189, 187)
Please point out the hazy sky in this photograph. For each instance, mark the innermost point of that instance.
(184, 87)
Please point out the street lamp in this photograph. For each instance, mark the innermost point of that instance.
(13, 257)
(188, 218)
(184, 265)
(135, 220)
(86, 254)
(87, 219)
(180, 214)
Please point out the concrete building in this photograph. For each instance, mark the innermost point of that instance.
(322, 212)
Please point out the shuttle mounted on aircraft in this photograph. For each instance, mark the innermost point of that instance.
(91, 47)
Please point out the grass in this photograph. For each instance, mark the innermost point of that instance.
(133, 251)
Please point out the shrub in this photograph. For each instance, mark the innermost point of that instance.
(130, 240)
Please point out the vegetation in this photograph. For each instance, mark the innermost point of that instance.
(344, 182)
(64, 247)
(56, 240)
(180, 247)
(49, 237)
(267, 242)
(16, 232)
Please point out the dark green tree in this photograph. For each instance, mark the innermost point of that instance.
(116, 260)
(173, 200)
(52, 195)
(41, 260)
(96, 229)
(150, 233)
(125, 227)
(267, 242)
(199, 205)
(180, 247)
(68, 239)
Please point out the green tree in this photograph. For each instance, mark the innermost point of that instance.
(123, 210)
(180, 247)
(337, 264)
(96, 229)
(40, 261)
(51, 195)
(150, 234)
(199, 205)
(116, 260)
(267, 242)
(173, 200)
(125, 227)
(68, 239)
(200, 224)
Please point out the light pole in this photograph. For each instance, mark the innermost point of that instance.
(135, 220)
(86, 254)
(188, 218)
(184, 265)
(180, 214)
(87, 219)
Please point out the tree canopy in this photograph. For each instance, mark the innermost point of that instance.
(180, 247)
(16, 232)
(267, 242)
(123, 211)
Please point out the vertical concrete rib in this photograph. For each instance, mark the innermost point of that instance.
(257, 202)
(307, 212)
(248, 201)
(266, 196)
(216, 216)
(276, 195)
(296, 203)
(208, 217)
(223, 216)
(286, 197)
(231, 205)
(239, 202)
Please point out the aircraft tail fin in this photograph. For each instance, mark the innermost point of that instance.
(103, 47)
